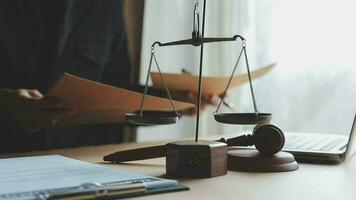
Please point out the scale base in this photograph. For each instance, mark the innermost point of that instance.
(202, 159)
(253, 161)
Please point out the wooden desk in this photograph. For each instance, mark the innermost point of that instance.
(309, 182)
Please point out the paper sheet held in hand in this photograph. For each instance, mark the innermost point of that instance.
(210, 85)
(99, 103)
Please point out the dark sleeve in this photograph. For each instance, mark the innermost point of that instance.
(118, 70)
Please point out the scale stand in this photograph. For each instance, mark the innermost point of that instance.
(163, 117)
(196, 158)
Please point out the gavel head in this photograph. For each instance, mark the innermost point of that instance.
(268, 139)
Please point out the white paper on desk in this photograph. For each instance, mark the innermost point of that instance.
(210, 85)
(40, 173)
(101, 103)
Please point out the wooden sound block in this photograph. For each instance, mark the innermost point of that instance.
(253, 161)
(202, 159)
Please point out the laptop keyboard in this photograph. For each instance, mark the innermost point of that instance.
(300, 142)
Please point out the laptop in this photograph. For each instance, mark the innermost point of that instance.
(320, 148)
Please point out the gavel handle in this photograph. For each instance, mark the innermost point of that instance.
(137, 154)
(243, 140)
(160, 151)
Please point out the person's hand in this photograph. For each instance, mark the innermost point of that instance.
(30, 111)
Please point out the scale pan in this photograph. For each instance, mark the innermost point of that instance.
(243, 118)
(152, 118)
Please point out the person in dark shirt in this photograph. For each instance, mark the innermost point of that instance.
(39, 41)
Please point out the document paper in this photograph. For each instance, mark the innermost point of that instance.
(43, 173)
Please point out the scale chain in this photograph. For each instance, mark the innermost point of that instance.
(146, 83)
(165, 85)
(229, 82)
(249, 79)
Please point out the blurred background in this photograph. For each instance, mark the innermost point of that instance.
(311, 89)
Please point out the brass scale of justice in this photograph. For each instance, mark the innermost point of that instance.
(202, 158)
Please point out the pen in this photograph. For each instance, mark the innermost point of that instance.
(107, 192)
(184, 71)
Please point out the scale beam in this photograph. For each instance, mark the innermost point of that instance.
(198, 41)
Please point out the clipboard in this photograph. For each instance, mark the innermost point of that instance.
(59, 177)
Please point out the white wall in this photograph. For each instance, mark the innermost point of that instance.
(313, 87)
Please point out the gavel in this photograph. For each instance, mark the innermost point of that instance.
(267, 138)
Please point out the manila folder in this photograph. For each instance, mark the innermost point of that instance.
(210, 85)
(98, 103)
